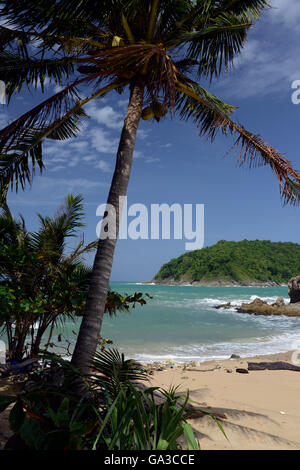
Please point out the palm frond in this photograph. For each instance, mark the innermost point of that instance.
(56, 15)
(25, 143)
(14, 39)
(194, 15)
(17, 71)
(49, 110)
(80, 250)
(216, 44)
(152, 19)
(50, 240)
(250, 8)
(15, 164)
(115, 36)
(205, 109)
(3, 194)
(9, 228)
(252, 149)
(21, 141)
(115, 370)
(68, 126)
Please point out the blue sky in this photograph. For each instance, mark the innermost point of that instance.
(173, 164)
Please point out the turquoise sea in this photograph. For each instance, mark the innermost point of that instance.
(180, 323)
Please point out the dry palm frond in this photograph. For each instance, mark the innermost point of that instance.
(252, 149)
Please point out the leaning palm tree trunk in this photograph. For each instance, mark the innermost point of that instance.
(88, 336)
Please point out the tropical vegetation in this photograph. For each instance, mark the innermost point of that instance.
(241, 262)
(116, 412)
(44, 282)
(161, 51)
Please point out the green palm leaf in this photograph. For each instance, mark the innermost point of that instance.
(115, 370)
(217, 44)
(19, 160)
(17, 71)
(23, 138)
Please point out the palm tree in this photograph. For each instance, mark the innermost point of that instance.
(43, 282)
(41, 285)
(154, 47)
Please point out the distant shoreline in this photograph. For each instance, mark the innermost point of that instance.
(216, 283)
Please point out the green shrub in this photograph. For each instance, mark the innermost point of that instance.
(115, 412)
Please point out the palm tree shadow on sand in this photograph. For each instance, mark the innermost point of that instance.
(244, 429)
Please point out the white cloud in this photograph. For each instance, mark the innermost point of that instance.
(142, 133)
(53, 189)
(58, 159)
(286, 12)
(53, 147)
(152, 160)
(79, 144)
(74, 161)
(267, 64)
(122, 103)
(72, 184)
(57, 168)
(138, 154)
(102, 141)
(89, 158)
(105, 115)
(102, 165)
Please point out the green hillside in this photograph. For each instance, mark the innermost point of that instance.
(244, 261)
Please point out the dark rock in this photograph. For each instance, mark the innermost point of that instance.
(273, 366)
(235, 356)
(242, 371)
(227, 305)
(294, 289)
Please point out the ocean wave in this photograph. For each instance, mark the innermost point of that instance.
(222, 350)
(212, 302)
(271, 299)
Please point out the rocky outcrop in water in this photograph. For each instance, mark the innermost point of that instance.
(260, 307)
(294, 289)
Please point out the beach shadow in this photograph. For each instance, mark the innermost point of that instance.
(238, 434)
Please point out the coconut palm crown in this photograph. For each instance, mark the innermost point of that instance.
(113, 44)
(161, 50)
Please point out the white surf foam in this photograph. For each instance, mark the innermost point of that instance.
(222, 350)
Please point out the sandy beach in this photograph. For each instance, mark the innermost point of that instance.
(258, 410)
